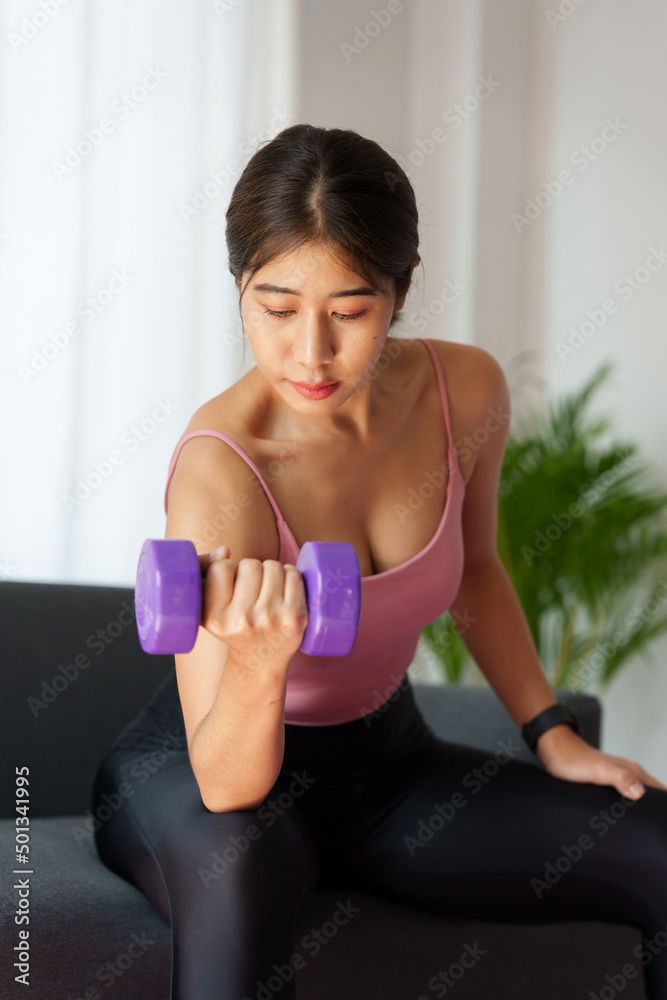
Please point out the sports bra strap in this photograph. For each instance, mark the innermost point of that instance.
(237, 448)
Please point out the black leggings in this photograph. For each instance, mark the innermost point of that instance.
(381, 805)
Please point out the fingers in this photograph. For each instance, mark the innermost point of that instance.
(295, 593)
(206, 558)
(632, 791)
(294, 586)
(218, 591)
(634, 779)
(626, 776)
(282, 597)
(648, 779)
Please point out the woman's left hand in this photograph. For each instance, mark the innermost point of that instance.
(565, 755)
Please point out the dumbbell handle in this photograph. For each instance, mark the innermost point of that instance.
(168, 596)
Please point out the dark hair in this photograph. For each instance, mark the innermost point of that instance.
(329, 186)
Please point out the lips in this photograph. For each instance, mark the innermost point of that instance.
(316, 390)
(316, 385)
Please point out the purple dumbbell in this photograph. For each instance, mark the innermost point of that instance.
(168, 596)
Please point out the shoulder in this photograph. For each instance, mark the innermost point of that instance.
(213, 493)
(224, 413)
(475, 381)
(466, 363)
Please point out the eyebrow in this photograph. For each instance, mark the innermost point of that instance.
(348, 292)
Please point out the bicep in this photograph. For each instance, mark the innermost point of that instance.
(208, 478)
(487, 438)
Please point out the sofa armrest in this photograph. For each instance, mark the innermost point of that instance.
(474, 716)
(74, 675)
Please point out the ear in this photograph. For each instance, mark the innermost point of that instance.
(398, 305)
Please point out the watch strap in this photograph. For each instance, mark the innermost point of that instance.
(552, 716)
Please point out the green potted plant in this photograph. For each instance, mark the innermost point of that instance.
(582, 533)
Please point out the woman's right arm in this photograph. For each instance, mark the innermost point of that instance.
(232, 683)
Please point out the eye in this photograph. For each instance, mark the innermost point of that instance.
(347, 316)
(280, 315)
(344, 316)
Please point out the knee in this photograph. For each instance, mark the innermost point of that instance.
(234, 854)
(222, 851)
(651, 827)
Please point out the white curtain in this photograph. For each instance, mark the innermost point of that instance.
(124, 127)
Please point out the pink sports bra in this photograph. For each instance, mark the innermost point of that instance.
(395, 606)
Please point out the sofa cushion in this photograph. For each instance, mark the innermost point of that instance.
(92, 934)
(474, 716)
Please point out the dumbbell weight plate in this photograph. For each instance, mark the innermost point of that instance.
(332, 579)
(167, 596)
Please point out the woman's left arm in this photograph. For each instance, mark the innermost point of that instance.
(493, 625)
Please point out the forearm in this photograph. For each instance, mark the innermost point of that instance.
(498, 637)
(238, 750)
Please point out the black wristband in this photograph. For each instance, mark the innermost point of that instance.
(550, 717)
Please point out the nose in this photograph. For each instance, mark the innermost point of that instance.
(314, 345)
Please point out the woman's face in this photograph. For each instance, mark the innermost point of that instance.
(309, 319)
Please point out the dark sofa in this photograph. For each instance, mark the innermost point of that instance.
(73, 675)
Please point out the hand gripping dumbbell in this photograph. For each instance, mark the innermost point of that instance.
(168, 596)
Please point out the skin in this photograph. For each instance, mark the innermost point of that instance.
(314, 342)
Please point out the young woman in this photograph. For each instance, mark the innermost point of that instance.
(297, 773)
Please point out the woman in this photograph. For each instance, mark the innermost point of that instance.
(298, 773)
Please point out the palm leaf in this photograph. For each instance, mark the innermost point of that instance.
(582, 533)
